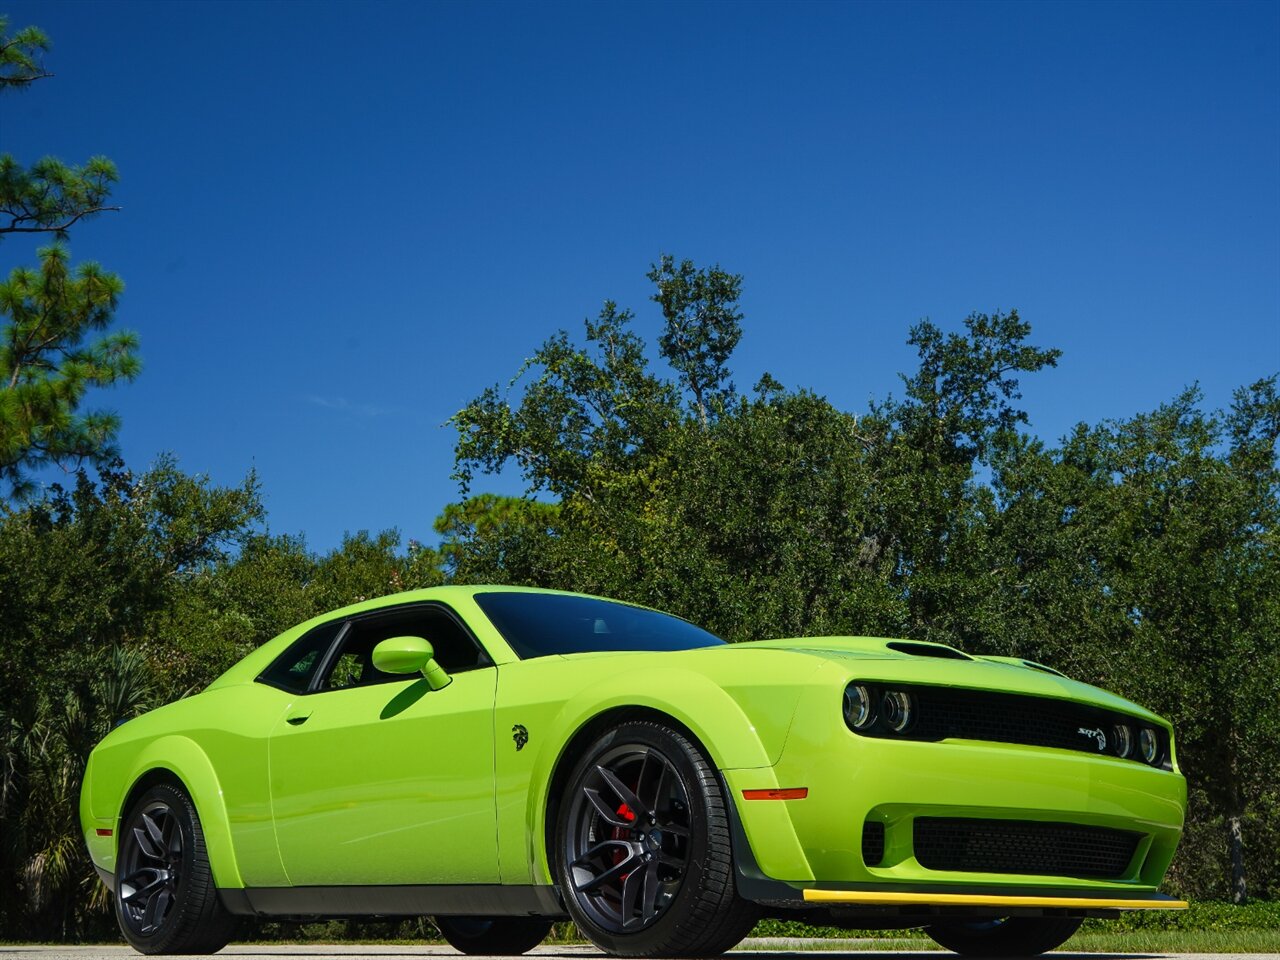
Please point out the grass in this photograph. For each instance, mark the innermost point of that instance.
(1128, 941)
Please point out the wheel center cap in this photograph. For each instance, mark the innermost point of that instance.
(655, 839)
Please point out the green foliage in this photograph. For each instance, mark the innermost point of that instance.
(48, 363)
(21, 56)
(489, 535)
(51, 196)
(589, 410)
(53, 348)
(85, 573)
(703, 326)
(44, 866)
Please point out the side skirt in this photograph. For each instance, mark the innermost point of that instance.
(471, 899)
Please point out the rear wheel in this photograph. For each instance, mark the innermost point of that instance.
(496, 936)
(165, 900)
(1009, 937)
(643, 853)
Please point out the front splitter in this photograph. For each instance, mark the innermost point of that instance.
(872, 898)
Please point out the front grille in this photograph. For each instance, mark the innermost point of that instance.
(1023, 846)
(946, 713)
(873, 843)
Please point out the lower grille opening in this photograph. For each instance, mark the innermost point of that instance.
(1023, 846)
(873, 843)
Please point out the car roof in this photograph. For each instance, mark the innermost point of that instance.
(459, 597)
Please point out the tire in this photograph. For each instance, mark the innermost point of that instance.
(1010, 937)
(497, 936)
(642, 850)
(165, 900)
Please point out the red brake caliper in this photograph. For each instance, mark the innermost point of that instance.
(620, 833)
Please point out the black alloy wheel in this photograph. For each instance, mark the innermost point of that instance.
(644, 857)
(495, 936)
(1005, 937)
(165, 899)
(150, 868)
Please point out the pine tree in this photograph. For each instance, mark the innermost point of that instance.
(53, 344)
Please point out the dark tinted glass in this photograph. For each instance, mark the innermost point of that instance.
(542, 624)
(454, 648)
(293, 669)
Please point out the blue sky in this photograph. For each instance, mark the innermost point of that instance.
(342, 221)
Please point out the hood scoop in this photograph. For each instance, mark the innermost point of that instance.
(936, 650)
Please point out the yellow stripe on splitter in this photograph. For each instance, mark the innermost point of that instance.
(877, 898)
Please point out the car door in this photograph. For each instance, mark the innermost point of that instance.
(378, 779)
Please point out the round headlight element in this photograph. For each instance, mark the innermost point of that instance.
(1149, 745)
(1122, 739)
(859, 711)
(896, 710)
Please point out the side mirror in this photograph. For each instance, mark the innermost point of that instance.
(410, 655)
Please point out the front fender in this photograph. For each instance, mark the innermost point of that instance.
(183, 758)
(741, 718)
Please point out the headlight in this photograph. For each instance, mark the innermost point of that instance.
(1122, 737)
(1149, 745)
(896, 710)
(859, 711)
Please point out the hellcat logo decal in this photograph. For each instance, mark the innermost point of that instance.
(520, 735)
(1098, 735)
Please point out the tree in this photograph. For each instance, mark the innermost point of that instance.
(925, 451)
(51, 196)
(48, 363)
(491, 538)
(703, 327)
(1143, 556)
(49, 354)
(88, 577)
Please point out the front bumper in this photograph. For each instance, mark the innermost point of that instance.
(809, 851)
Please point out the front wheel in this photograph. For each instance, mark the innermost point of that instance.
(1009, 937)
(165, 899)
(642, 848)
(495, 936)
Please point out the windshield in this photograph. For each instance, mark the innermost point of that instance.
(545, 624)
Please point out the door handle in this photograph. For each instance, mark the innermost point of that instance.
(298, 720)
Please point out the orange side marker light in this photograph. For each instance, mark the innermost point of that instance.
(790, 793)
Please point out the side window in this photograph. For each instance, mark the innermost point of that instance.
(454, 648)
(293, 669)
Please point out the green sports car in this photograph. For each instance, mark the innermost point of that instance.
(501, 758)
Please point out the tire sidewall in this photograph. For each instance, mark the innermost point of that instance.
(181, 808)
(676, 748)
(1011, 937)
(499, 936)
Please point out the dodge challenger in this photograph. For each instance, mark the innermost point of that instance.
(501, 758)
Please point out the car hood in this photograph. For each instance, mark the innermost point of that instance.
(885, 659)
